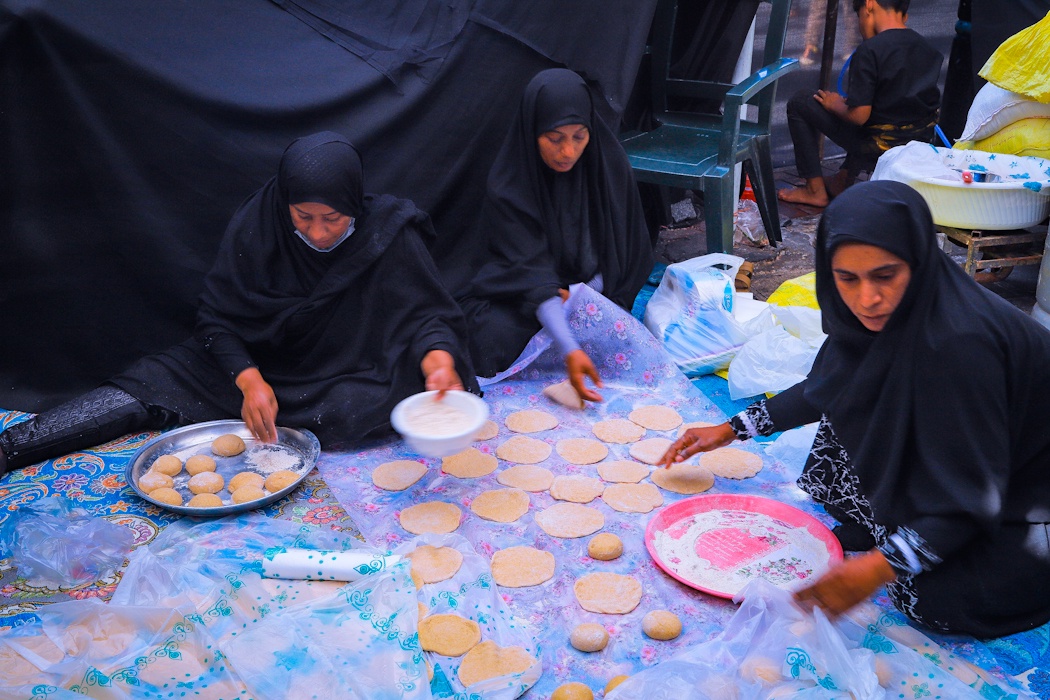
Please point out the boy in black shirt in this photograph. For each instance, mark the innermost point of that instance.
(893, 99)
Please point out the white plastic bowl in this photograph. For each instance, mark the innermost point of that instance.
(991, 206)
(441, 445)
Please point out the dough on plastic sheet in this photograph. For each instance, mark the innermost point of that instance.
(661, 624)
(527, 477)
(650, 450)
(530, 421)
(581, 450)
(623, 471)
(435, 517)
(489, 430)
(589, 637)
(731, 463)
(576, 488)
(398, 475)
(608, 593)
(656, 417)
(605, 546)
(632, 498)
(687, 479)
(519, 567)
(448, 634)
(572, 691)
(469, 464)
(569, 520)
(522, 449)
(500, 505)
(435, 564)
(489, 660)
(618, 431)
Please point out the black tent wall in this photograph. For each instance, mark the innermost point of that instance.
(130, 131)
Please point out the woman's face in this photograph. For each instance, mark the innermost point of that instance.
(561, 147)
(321, 224)
(871, 282)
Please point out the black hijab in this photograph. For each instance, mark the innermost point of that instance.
(545, 230)
(265, 274)
(933, 408)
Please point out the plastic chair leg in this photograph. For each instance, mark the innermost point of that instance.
(764, 185)
(719, 207)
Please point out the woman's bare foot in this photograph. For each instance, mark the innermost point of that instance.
(805, 195)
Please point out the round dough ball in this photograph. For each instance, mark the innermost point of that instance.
(605, 547)
(661, 624)
(151, 481)
(199, 463)
(245, 479)
(206, 482)
(280, 479)
(572, 691)
(247, 493)
(589, 636)
(613, 682)
(227, 445)
(167, 464)
(448, 635)
(205, 500)
(167, 496)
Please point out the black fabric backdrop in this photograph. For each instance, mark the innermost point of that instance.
(130, 131)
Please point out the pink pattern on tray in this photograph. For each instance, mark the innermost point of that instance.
(730, 547)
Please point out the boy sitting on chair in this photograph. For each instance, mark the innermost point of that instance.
(893, 99)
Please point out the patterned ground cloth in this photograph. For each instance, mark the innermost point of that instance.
(636, 373)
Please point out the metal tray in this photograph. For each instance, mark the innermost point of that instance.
(196, 439)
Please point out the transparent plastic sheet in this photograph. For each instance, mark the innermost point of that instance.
(193, 613)
(773, 649)
(636, 371)
(56, 545)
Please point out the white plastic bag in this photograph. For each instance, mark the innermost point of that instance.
(913, 161)
(691, 313)
(779, 358)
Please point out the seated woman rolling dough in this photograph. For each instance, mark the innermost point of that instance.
(933, 396)
(561, 207)
(323, 310)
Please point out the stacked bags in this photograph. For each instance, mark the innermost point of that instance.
(1011, 114)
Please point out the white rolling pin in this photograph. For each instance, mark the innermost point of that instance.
(323, 565)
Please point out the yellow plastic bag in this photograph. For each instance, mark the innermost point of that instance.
(799, 291)
(1020, 63)
(1025, 137)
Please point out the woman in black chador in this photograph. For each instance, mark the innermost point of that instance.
(561, 207)
(933, 396)
(323, 310)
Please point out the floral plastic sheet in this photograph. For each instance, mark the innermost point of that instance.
(635, 372)
(772, 649)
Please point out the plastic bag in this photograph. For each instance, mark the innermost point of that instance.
(747, 224)
(993, 109)
(913, 161)
(57, 546)
(771, 648)
(779, 358)
(691, 313)
(1020, 65)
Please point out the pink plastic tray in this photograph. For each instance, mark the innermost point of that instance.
(728, 546)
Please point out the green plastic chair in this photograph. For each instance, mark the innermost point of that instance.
(697, 151)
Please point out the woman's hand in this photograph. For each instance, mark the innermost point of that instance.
(579, 366)
(439, 372)
(259, 409)
(698, 440)
(847, 583)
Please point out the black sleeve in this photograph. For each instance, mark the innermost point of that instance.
(863, 76)
(790, 409)
(228, 350)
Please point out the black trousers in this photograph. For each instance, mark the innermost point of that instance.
(98, 416)
(807, 120)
